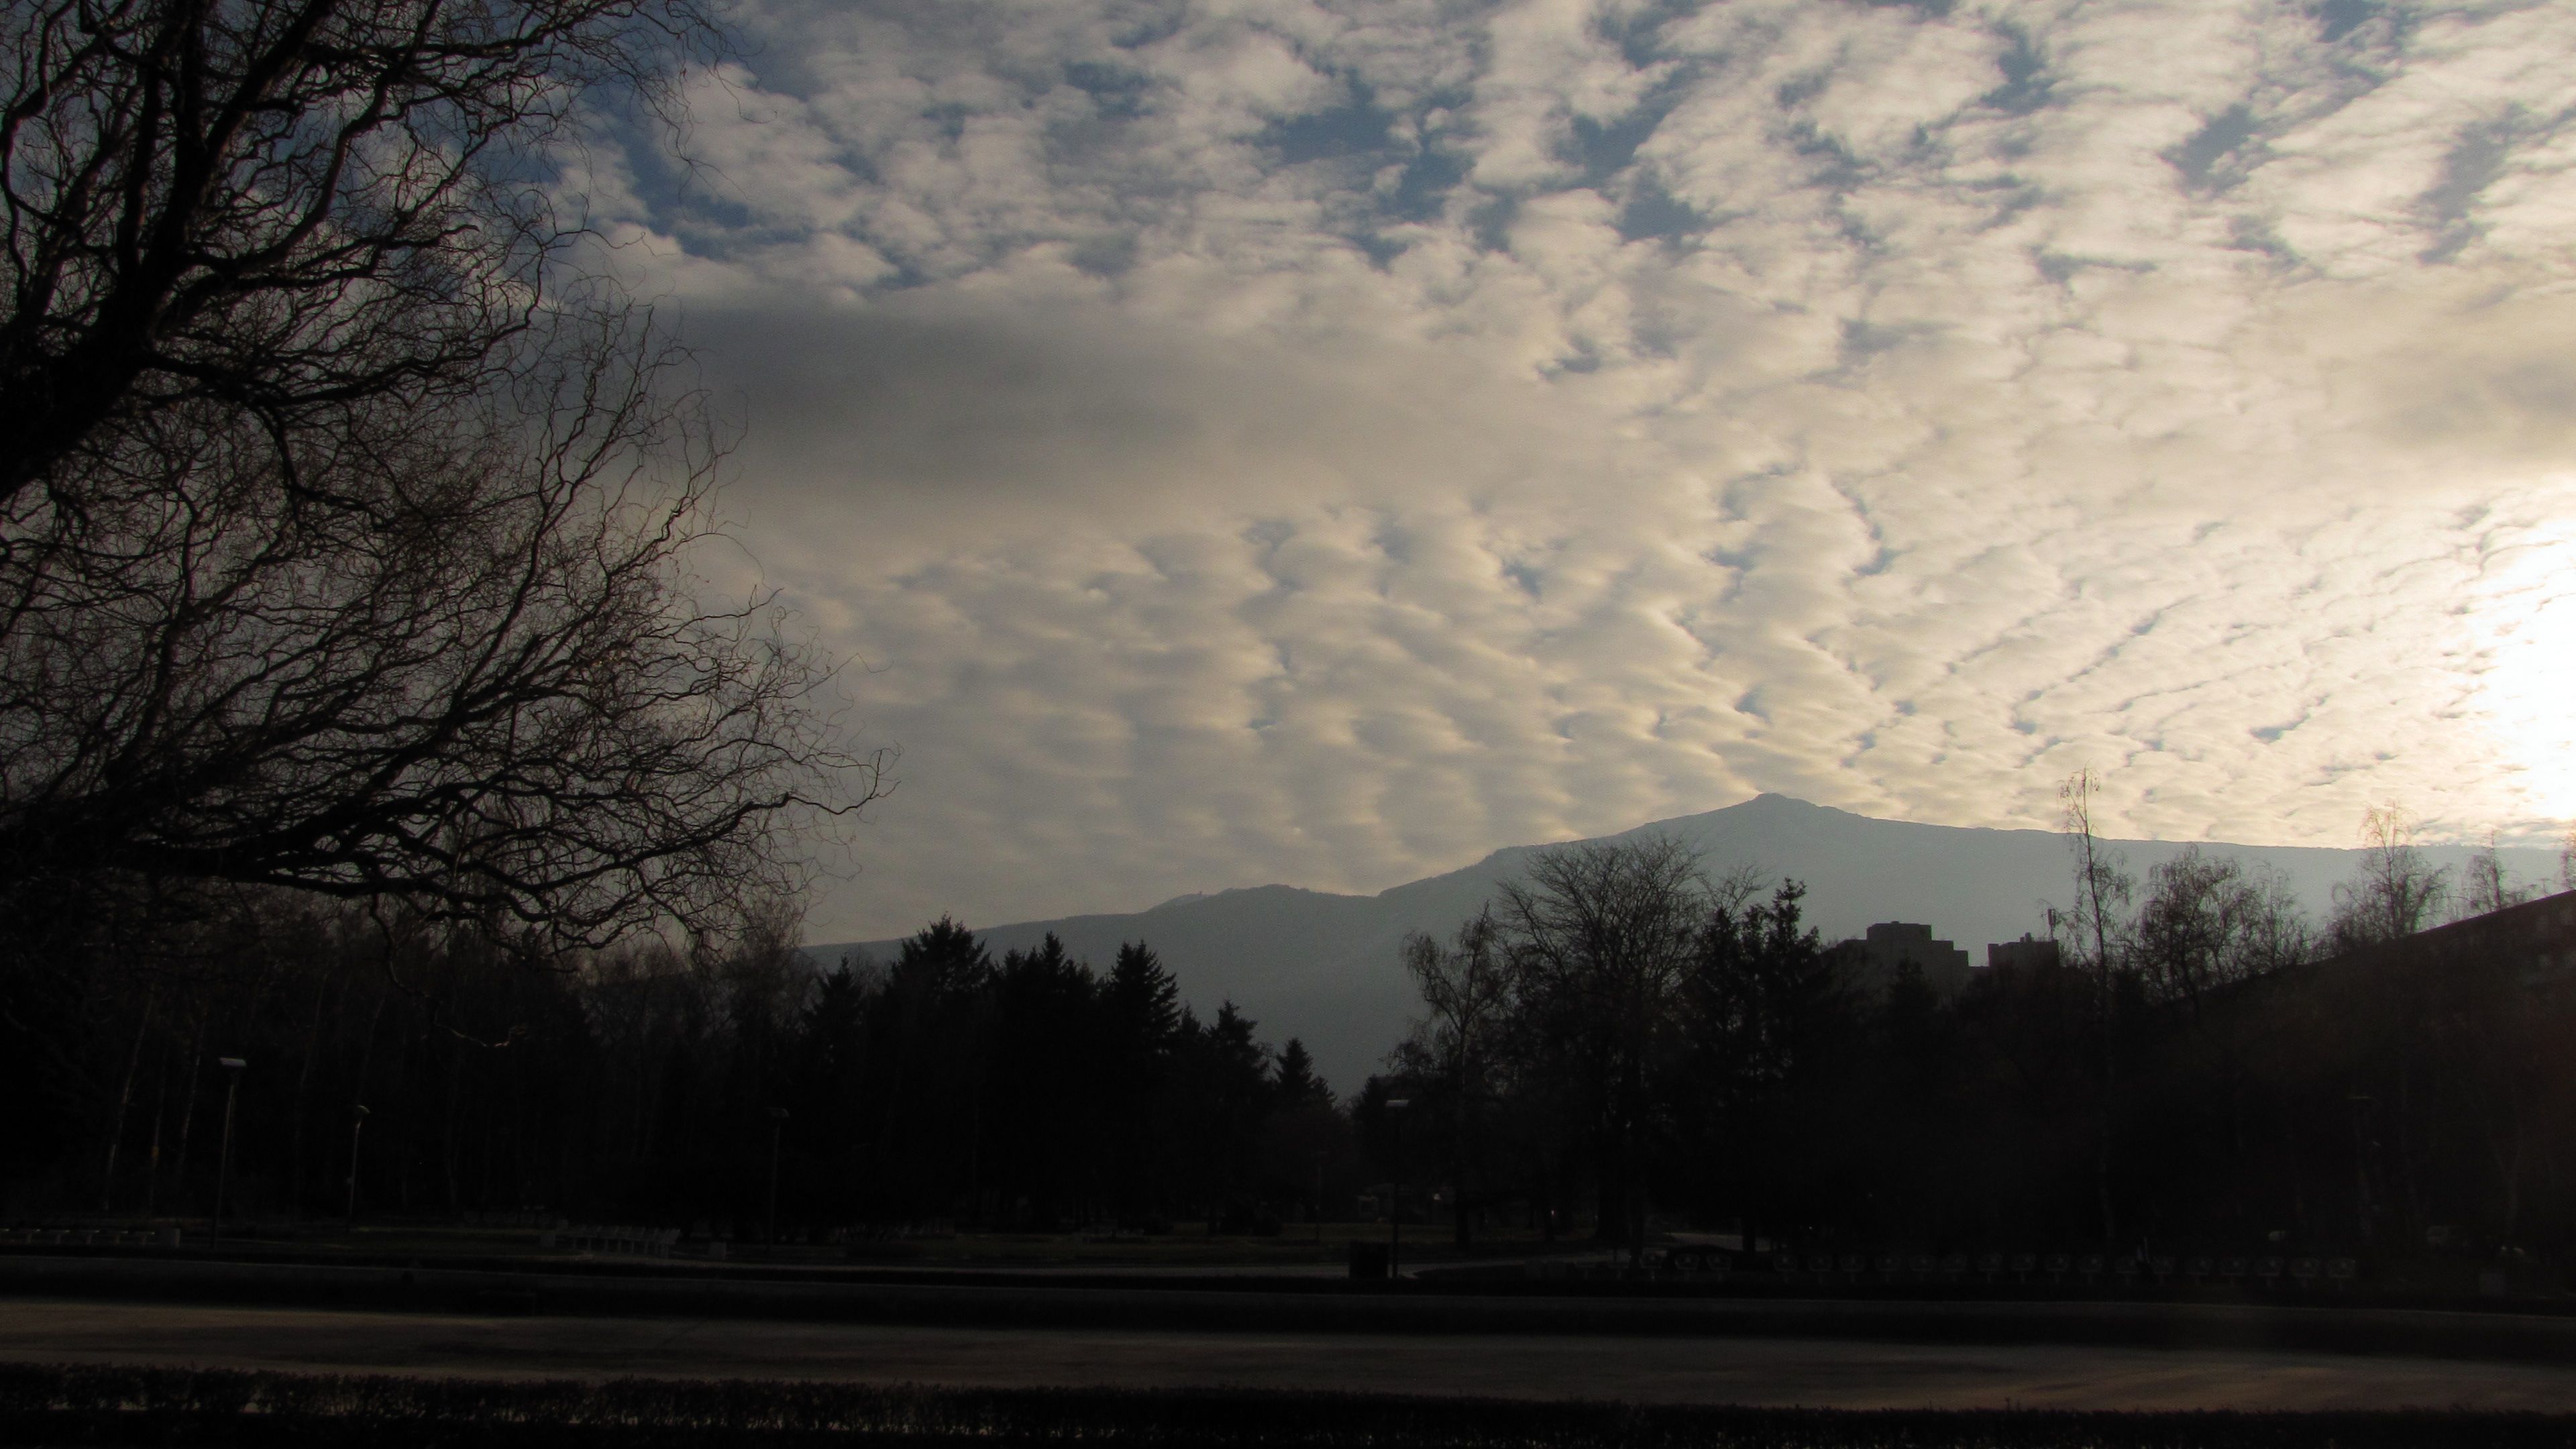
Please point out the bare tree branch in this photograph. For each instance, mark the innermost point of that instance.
(344, 546)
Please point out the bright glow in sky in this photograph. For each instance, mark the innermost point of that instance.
(1323, 442)
(2525, 622)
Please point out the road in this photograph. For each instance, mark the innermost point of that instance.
(1765, 1371)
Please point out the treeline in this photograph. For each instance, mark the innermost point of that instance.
(2189, 1064)
(1618, 1045)
(647, 1083)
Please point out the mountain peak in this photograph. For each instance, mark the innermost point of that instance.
(1773, 803)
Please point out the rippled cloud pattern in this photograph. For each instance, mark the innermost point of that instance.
(1324, 442)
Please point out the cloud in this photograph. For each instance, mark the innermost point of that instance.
(1325, 442)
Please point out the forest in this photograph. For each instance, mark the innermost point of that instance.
(1620, 1044)
(648, 1083)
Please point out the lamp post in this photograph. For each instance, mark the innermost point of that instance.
(777, 1126)
(1395, 1107)
(357, 1124)
(1319, 1197)
(233, 1067)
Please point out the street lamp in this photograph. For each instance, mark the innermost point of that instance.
(1319, 1197)
(357, 1124)
(1395, 1107)
(224, 1163)
(777, 1125)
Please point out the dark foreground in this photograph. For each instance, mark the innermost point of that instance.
(114, 1407)
(1783, 1371)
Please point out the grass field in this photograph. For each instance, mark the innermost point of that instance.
(117, 1407)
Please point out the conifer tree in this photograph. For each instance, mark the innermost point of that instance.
(1295, 1079)
(1142, 1021)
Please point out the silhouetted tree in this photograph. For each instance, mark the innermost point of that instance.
(2395, 891)
(1295, 1078)
(1761, 1004)
(2208, 922)
(2092, 937)
(1221, 1101)
(1467, 998)
(927, 1039)
(1600, 936)
(2486, 885)
(1046, 1040)
(343, 540)
(829, 1105)
(1140, 1026)
(1601, 939)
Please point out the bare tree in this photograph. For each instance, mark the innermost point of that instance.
(2488, 887)
(1467, 999)
(344, 537)
(1602, 937)
(2095, 936)
(268, 216)
(2208, 921)
(2093, 929)
(2394, 892)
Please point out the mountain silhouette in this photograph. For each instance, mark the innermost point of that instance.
(1324, 967)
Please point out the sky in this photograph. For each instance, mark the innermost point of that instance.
(1321, 443)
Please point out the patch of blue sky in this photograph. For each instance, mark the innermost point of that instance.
(1491, 223)
(1652, 213)
(2027, 82)
(1358, 128)
(1117, 92)
(1603, 149)
(2475, 161)
(1425, 186)
(2339, 18)
(2216, 156)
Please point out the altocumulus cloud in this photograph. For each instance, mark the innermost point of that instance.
(1325, 441)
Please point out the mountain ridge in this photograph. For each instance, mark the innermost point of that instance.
(1323, 966)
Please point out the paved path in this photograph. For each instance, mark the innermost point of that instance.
(1671, 1370)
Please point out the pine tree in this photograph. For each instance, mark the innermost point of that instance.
(1044, 1057)
(942, 959)
(1295, 1080)
(1144, 1002)
(829, 1090)
(928, 1073)
(1142, 1023)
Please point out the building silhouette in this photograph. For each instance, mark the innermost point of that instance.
(2026, 954)
(1871, 963)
